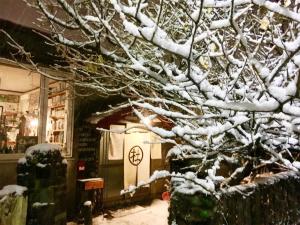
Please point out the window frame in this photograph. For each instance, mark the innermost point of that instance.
(42, 115)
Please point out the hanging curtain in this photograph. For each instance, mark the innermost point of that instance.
(136, 156)
(116, 143)
(155, 146)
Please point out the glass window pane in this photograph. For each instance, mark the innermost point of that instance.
(57, 115)
(19, 107)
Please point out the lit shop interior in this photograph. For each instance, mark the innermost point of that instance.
(30, 111)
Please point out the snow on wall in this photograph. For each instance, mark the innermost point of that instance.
(12, 189)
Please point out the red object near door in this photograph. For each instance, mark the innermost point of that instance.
(81, 166)
(80, 169)
(165, 196)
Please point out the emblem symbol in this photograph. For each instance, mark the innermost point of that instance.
(135, 155)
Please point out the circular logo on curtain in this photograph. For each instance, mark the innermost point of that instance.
(135, 155)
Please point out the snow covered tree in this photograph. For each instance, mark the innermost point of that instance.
(225, 73)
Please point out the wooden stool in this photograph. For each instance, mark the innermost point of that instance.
(91, 189)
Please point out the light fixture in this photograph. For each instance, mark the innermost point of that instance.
(34, 122)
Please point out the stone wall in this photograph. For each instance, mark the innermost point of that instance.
(8, 173)
(272, 200)
(13, 205)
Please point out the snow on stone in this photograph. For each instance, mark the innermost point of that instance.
(12, 189)
(41, 204)
(22, 160)
(87, 203)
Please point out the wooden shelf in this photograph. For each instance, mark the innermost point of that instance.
(57, 99)
(57, 117)
(56, 131)
(63, 92)
(56, 143)
(57, 106)
(12, 126)
(10, 114)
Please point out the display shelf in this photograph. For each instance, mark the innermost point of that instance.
(57, 117)
(57, 131)
(12, 126)
(18, 125)
(51, 95)
(57, 102)
(57, 106)
(10, 114)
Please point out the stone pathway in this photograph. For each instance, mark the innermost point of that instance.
(156, 213)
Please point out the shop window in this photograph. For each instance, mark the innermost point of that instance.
(58, 116)
(19, 110)
(33, 109)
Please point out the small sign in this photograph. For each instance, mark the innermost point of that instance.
(135, 155)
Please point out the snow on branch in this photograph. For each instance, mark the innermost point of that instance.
(224, 73)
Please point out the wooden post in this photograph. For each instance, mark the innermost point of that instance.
(43, 109)
(87, 213)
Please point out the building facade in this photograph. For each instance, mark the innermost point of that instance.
(36, 109)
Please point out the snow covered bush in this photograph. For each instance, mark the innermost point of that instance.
(43, 172)
(225, 73)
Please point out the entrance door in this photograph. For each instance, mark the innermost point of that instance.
(136, 157)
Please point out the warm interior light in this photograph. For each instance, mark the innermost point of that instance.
(34, 122)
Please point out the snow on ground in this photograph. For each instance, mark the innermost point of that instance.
(156, 213)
